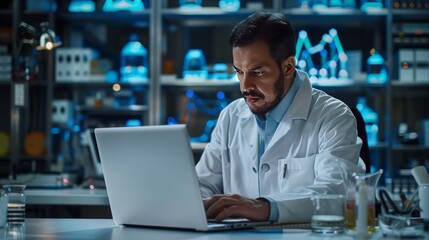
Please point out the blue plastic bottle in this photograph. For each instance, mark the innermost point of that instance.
(229, 5)
(194, 65)
(320, 4)
(376, 68)
(367, 5)
(370, 118)
(134, 61)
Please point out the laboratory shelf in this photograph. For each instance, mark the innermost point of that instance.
(399, 84)
(378, 146)
(206, 13)
(347, 84)
(141, 18)
(125, 110)
(410, 14)
(403, 147)
(199, 83)
(99, 84)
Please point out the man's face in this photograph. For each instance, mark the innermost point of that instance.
(262, 82)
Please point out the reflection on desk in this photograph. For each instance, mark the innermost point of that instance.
(73, 196)
(106, 229)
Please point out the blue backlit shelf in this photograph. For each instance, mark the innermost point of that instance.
(113, 18)
(199, 83)
(124, 110)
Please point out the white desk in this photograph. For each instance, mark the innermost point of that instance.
(72, 196)
(105, 229)
(67, 203)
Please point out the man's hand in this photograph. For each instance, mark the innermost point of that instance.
(220, 207)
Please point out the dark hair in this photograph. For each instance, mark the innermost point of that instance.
(272, 28)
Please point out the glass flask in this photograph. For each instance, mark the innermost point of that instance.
(360, 198)
(16, 204)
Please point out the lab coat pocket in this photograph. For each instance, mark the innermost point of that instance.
(295, 172)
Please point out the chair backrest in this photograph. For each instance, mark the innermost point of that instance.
(364, 152)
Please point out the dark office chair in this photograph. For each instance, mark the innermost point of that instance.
(364, 152)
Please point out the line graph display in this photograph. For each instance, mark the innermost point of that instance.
(323, 61)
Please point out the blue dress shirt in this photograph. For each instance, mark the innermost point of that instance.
(267, 127)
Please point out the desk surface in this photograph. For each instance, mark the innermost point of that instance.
(105, 229)
(73, 196)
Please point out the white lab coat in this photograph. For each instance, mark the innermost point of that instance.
(316, 130)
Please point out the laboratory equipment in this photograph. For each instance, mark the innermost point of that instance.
(194, 65)
(229, 5)
(320, 4)
(360, 198)
(370, 118)
(367, 5)
(81, 6)
(220, 72)
(349, 4)
(332, 61)
(192, 105)
(190, 3)
(376, 68)
(134, 61)
(328, 214)
(123, 5)
(15, 204)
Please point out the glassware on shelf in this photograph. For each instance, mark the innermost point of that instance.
(123, 5)
(190, 3)
(81, 6)
(16, 202)
(194, 65)
(376, 68)
(229, 5)
(134, 61)
(367, 5)
(370, 118)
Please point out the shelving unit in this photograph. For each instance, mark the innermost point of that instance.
(19, 118)
(408, 102)
(168, 32)
(350, 23)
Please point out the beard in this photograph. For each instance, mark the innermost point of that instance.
(278, 90)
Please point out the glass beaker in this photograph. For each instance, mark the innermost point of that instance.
(351, 186)
(16, 204)
(354, 190)
(328, 214)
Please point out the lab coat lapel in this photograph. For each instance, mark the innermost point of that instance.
(299, 109)
(249, 132)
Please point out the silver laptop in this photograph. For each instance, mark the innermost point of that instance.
(151, 180)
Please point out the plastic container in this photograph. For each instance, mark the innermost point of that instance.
(194, 65)
(134, 61)
(370, 118)
(229, 5)
(376, 68)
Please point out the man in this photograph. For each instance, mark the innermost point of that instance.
(272, 150)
